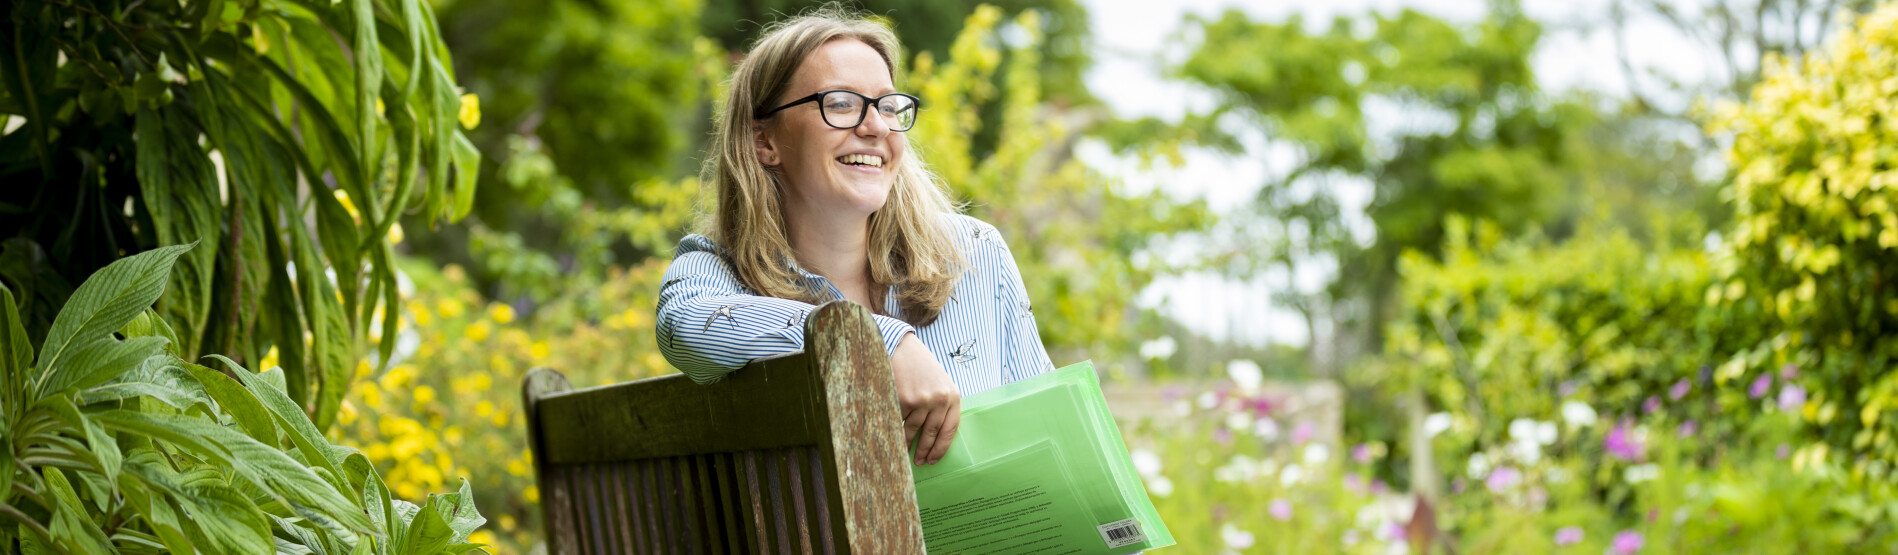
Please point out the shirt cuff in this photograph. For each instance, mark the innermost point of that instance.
(893, 330)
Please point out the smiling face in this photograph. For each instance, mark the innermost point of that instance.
(829, 172)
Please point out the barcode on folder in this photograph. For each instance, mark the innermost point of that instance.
(1121, 532)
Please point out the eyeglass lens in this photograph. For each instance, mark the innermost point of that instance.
(845, 110)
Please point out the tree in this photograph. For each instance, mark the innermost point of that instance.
(1074, 234)
(286, 139)
(1439, 120)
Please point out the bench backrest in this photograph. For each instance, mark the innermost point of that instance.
(801, 453)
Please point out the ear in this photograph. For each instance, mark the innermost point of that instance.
(765, 144)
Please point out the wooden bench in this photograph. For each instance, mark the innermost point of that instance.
(801, 453)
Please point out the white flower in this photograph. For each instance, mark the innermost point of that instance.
(1235, 538)
(1316, 454)
(1159, 348)
(1525, 450)
(1545, 432)
(1578, 414)
(1239, 422)
(1246, 374)
(1478, 466)
(1145, 462)
(1641, 473)
(1522, 428)
(1267, 429)
(1436, 424)
(1208, 400)
(1182, 408)
(1160, 486)
(1291, 475)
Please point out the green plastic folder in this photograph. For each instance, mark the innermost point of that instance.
(1038, 468)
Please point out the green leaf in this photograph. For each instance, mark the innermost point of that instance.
(99, 361)
(368, 82)
(160, 515)
(375, 495)
(268, 388)
(16, 355)
(243, 407)
(72, 528)
(229, 518)
(106, 301)
(446, 519)
(159, 378)
(259, 464)
(467, 169)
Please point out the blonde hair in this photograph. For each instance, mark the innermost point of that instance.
(910, 245)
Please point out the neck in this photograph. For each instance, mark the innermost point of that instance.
(836, 248)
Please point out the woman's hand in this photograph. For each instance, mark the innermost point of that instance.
(932, 408)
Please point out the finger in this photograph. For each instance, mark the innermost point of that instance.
(949, 427)
(931, 433)
(912, 422)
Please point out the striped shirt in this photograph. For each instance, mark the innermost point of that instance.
(711, 324)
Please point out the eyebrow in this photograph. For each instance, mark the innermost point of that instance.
(835, 86)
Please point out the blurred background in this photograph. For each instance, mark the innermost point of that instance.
(1362, 276)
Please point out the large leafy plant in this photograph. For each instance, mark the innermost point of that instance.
(286, 135)
(113, 444)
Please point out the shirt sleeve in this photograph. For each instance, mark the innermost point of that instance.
(710, 325)
(1023, 355)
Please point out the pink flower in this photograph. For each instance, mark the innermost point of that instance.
(1379, 487)
(1760, 385)
(1303, 431)
(1621, 443)
(1503, 478)
(1566, 389)
(1222, 435)
(1627, 542)
(1361, 453)
(1280, 509)
(1783, 451)
(1396, 532)
(1570, 535)
(1261, 407)
(1688, 428)
(1791, 397)
(1680, 389)
(1353, 482)
(1789, 371)
(1652, 404)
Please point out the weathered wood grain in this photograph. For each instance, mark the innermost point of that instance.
(801, 453)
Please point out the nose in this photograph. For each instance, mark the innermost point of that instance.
(873, 124)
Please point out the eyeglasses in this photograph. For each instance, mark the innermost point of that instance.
(846, 109)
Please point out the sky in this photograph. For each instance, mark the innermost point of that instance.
(1134, 37)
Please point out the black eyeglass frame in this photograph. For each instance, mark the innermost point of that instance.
(916, 104)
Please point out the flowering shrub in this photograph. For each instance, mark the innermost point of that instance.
(1815, 248)
(451, 406)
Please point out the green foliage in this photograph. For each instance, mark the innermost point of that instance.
(115, 444)
(1073, 233)
(592, 109)
(234, 124)
(1439, 119)
(1814, 252)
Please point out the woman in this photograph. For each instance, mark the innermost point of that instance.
(819, 198)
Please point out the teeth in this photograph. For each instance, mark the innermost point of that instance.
(862, 159)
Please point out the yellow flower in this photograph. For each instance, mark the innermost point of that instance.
(539, 350)
(370, 394)
(395, 233)
(531, 494)
(449, 308)
(482, 382)
(500, 419)
(347, 413)
(470, 111)
(348, 205)
(419, 312)
(481, 537)
(501, 313)
(452, 435)
(507, 522)
(517, 468)
(477, 332)
(424, 394)
(484, 409)
(269, 361)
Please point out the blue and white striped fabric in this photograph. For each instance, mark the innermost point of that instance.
(711, 324)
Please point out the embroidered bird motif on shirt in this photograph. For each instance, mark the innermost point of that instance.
(670, 283)
(726, 313)
(964, 353)
(989, 234)
(792, 321)
(1026, 309)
